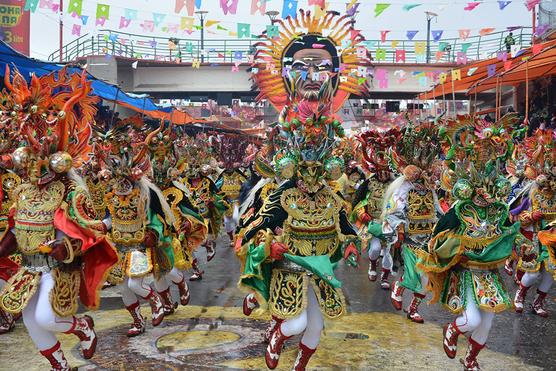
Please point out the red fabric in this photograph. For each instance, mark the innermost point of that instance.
(99, 256)
(7, 268)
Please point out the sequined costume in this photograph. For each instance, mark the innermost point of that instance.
(536, 210)
(474, 238)
(367, 204)
(302, 229)
(411, 208)
(65, 257)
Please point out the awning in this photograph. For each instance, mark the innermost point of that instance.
(539, 65)
(473, 73)
(142, 104)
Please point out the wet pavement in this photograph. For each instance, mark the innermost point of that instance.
(212, 333)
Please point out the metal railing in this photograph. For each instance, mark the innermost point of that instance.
(115, 43)
(547, 15)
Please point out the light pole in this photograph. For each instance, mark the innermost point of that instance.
(430, 17)
(272, 15)
(201, 14)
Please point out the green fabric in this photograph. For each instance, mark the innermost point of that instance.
(375, 229)
(187, 211)
(319, 265)
(257, 273)
(411, 275)
(164, 240)
(362, 203)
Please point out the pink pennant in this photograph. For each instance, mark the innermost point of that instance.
(461, 58)
(486, 31)
(319, 3)
(76, 30)
(531, 4)
(147, 25)
(258, 6)
(229, 6)
(188, 4)
(173, 27)
(55, 7)
(400, 55)
(100, 21)
(464, 34)
(439, 55)
(471, 6)
(383, 35)
(124, 22)
(45, 4)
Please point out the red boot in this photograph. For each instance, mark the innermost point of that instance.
(197, 272)
(138, 325)
(274, 322)
(211, 251)
(518, 276)
(538, 304)
(509, 267)
(249, 304)
(470, 361)
(519, 298)
(184, 292)
(384, 284)
(55, 356)
(372, 270)
(396, 296)
(412, 312)
(303, 357)
(167, 302)
(451, 334)
(84, 329)
(157, 309)
(8, 322)
(274, 348)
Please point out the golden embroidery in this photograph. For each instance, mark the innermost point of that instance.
(546, 205)
(288, 293)
(420, 212)
(97, 191)
(200, 195)
(128, 217)
(232, 185)
(10, 182)
(63, 296)
(331, 300)
(138, 263)
(18, 290)
(374, 201)
(34, 218)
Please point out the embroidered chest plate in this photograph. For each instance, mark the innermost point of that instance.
(546, 205)
(481, 225)
(374, 201)
(200, 195)
(34, 216)
(128, 217)
(312, 224)
(10, 182)
(97, 192)
(420, 211)
(232, 185)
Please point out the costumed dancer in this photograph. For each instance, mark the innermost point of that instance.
(203, 192)
(411, 208)
(65, 257)
(302, 228)
(9, 181)
(475, 237)
(138, 221)
(190, 228)
(231, 150)
(367, 204)
(536, 210)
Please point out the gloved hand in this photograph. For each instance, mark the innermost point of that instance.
(8, 245)
(277, 250)
(151, 239)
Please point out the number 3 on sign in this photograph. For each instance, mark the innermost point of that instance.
(8, 37)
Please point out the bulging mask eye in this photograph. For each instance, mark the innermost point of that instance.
(60, 162)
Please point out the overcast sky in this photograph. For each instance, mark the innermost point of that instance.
(451, 18)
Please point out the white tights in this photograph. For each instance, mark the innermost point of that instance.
(39, 318)
(230, 222)
(131, 288)
(374, 253)
(475, 321)
(174, 276)
(547, 279)
(310, 322)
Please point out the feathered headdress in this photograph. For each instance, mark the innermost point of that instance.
(375, 145)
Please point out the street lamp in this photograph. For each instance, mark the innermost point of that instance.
(430, 17)
(272, 15)
(201, 14)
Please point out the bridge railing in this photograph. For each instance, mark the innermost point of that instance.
(182, 50)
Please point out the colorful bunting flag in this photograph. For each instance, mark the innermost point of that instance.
(221, 28)
(229, 6)
(243, 30)
(380, 54)
(258, 6)
(472, 70)
(471, 6)
(439, 56)
(55, 7)
(442, 77)
(130, 14)
(491, 70)
(383, 35)
(541, 29)
(465, 47)
(31, 5)
(502, 56)
(124, 22)
(503, 4)
(186, 23)
(456, 75)
(84, 19)
(486, 31)
(408, 7)
(45, 4)
(531, 4)
(411, 34)
(380, 8)
(400, 55)
(351, 8)
(158, 18)
(100, 21)
(196, 63)
(461, 58)
(289, 8)
(537, 48)
(272, 31)
(464, 34)
(75, 6)
(103, 11)
(420, 47)
(188, 4)
(319, 3)
(147, 25)
(507, 65)
(76, 30)
(436, 34)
